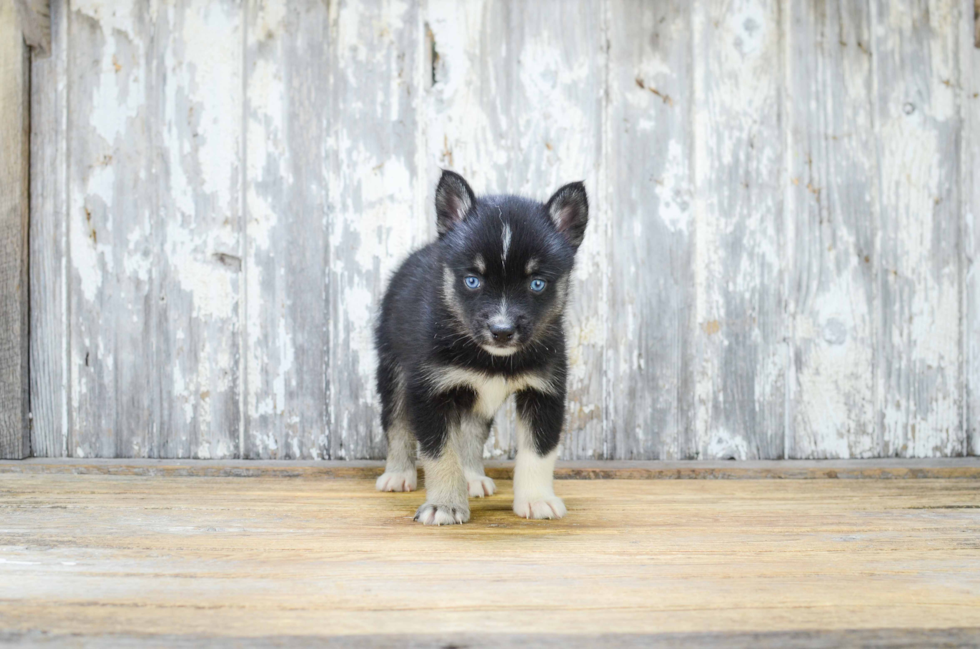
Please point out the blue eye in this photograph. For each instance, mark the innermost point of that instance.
(471, 282)
(537, 285)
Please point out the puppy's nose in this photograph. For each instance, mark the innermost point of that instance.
(502, 333)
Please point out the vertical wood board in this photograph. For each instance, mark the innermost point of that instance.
(50, 326)
(739, 232)
(153, 203)
(918, 128)
(969, 95)
(372, 221)
(830, 231)
(649, 197)
(287, 127)
(14, 205)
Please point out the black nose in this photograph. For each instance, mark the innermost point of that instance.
(502, 333)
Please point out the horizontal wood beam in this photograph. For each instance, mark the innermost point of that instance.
(939, 468)
(14, 205)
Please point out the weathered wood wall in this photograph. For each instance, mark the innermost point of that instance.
(14, 199)
(781, 261)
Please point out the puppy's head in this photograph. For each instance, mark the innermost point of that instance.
(507, 260)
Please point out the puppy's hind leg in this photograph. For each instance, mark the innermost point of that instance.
(400, 473)
(474, 432)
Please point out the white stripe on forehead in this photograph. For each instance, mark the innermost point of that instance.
(506, 242)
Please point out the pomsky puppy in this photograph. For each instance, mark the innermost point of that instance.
(467, 320)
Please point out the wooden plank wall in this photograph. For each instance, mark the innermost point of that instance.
(780, 262)
(14, 200)
(970, 242)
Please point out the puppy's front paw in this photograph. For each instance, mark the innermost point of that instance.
(544, 507)
(432, 514)
(397, 481)
(480, 486)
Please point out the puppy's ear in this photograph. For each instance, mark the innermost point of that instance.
(569, 211)
(454, 200)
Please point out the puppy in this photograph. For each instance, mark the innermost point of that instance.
(468, 320)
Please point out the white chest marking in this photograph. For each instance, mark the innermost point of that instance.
(491, 394)
(491, 391)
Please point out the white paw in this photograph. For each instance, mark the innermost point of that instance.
(544, 507)
(430, 514)
(397, 481)
(480, 486)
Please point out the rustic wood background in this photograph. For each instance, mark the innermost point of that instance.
(780, 261)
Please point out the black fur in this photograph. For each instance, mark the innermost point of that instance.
(427, 327)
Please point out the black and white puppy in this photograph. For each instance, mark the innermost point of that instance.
(467, 320)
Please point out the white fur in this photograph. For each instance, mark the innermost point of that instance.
(541, 508)
(397, 481)
(505, 240)
(499, 351)
(491, 390)
(500, 319)
(534, 477)
(430, 514)
(479, 485)
(446, 501)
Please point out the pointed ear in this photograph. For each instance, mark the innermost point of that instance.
(454, 200)
(569, 211)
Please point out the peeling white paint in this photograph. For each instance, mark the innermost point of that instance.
(740, 337)
(674, 191)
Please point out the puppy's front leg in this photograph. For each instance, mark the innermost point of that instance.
(539, 422)
(446, 497)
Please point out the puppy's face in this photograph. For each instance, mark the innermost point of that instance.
(507, 261)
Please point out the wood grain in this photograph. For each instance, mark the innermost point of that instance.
(970, 197)
(115, 405)
(780, 260)
(888, 469)
(649, 192)
(14, 207)
(288, 59)
(811, 638)
(271, 557)
(831, 229)
(153, 199)
(194, 278)
(740, 265)
(50, 327)
(919, 385)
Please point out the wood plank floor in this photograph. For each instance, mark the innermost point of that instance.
(123, 559)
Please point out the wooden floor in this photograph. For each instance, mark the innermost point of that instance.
(103, 559)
